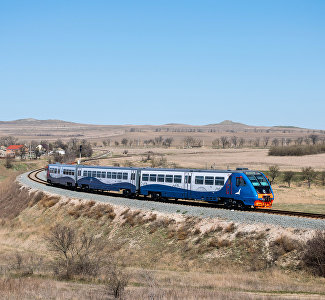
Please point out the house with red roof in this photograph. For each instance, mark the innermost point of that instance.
(14, 150)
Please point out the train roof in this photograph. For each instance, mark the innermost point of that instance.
(239, 170)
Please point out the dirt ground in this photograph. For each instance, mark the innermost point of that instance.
(206, 158)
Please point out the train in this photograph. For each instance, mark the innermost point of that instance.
(238, 189)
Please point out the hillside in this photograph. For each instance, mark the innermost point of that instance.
(33, 129)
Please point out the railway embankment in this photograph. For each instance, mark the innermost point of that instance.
(145, 235)
(181, 210)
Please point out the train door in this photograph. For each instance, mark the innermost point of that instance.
(188, 184)
(134, 178)
(229, 185)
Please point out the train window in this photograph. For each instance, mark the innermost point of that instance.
(169, 178)
(85, 173)
(103, 174)
(188, 178)
(114, 175)
(93, 174)
(109, 174)
(72, 172)
(161, 178)
(199, 179)
(145, 177)
(99, 174)
(153, 177)
(125, 176)
(240, 181)
(119, 175)
(178, 179)
(89, 173)
(79, 172)
(133, 176)
(262, 180)
(219, 181)
(208, 180)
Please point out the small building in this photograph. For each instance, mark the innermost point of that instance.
(60, 151)
(3, 153)
(15, 150)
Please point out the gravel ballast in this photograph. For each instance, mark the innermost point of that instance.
(186, 210)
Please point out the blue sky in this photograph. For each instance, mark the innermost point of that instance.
(156, 62)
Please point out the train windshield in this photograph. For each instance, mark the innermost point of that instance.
(258, 181)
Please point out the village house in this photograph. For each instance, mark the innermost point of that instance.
(16, 150)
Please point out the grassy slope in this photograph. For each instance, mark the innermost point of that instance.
(184, 257)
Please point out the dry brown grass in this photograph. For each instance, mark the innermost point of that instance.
(90, 209)
(161, 243)
(14, 198)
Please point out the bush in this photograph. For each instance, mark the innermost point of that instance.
(8, 162)
(308, 174)
(314, 255)
(297, 150)
(288, 175)
(74, 252)
(274, 172)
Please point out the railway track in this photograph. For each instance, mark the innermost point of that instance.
(33, 175)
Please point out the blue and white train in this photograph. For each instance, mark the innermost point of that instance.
(233, 188)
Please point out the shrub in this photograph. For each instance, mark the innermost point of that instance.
(288, 175)
(274, 172)
(314, 255)
(308, 174)
(230, 228)
(297, 150)
(74, 252)
(117, 281)
(283, 245)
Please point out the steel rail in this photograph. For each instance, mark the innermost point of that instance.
(33, 175)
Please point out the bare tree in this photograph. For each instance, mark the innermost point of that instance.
(168, 142)
(257, 142)
(241, 142)
(74, 252)
(8, 140)
(224, 141)
(266, 140)
(275, 142)
(299, 141)
(314, 138)
(288, 175)
(274, 172)
(215, 143)
(117, 281)
(307, 140)
(234, 141)
(308, 174)
(288, 141)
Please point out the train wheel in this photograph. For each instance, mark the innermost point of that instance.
(228, 203)
(240, 205)
(155, 196)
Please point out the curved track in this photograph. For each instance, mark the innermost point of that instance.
(33, 175)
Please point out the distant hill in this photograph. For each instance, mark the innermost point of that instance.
(228, 123)
(31, 121)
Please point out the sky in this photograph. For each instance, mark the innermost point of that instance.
(158, 62)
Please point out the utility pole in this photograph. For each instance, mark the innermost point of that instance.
(80, 149)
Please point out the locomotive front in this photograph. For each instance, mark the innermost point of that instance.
(264, 194)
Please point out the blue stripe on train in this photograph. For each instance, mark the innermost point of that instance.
(62, 180)
(96, 184)
(175, 192)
